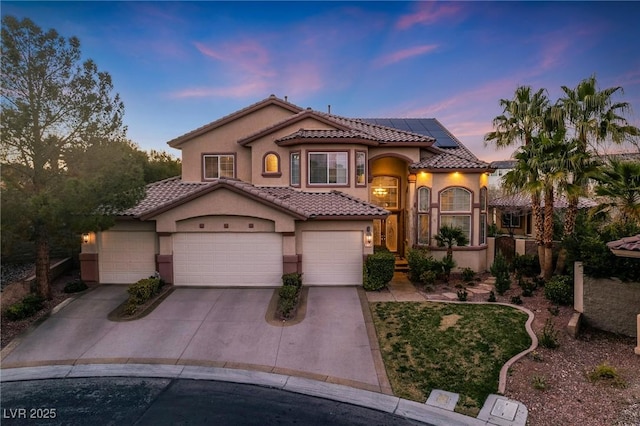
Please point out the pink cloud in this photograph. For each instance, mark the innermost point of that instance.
(302, 78)
(247, 56)
(238, 91)
(427, 13)
(403, 54)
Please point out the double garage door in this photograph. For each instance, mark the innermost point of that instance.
(227, 259)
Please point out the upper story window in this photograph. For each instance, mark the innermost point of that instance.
(271, 165)
(455, 200)
(361, 168)
(483, 199)
(294, 169)
(328, 168)
(218, 165)
(384, 192)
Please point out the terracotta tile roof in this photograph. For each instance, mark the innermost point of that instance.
(163, 195)
(524, 201)
(628, 243)
(327, 134)
(451, 159)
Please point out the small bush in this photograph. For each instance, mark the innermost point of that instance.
(528, 287)
(536, 356)
(447, 264)
(500, 270)
(428, 277)
(378, 270)
(607, 373)
(288, 300)
(492, 297)
(502, 285)
(554, 310)
(516, 300)
(293, 279)
(25, 308)
(559, 290)
(468, 274)
(144, 290)
(526, 265)
(539, 382)
(462, 295)
(419, 261)
(549, 336)
(75, 286)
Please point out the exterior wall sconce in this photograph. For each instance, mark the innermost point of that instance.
(86, 238)
(368, 237)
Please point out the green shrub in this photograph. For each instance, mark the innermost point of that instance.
(516, 300)
(462, 295)
(25, 308)
(492, 297)
(500, 270)
(428, 277)
(378, 270)
(144, 290)
(468, 274)
(526, 265)
(607, 373)
(75, 286)
(559, 290)
(549, 336)
(539, 382)
(288, 292)
(419, 261)
(527, 287)
(288, 300)
(292, 279)
(447, 264)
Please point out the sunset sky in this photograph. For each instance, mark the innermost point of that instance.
(180, 65)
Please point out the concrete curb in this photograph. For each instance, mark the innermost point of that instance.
(363, 398)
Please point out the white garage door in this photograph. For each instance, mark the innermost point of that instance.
(332, 258)
(227, 259)
(126, 257)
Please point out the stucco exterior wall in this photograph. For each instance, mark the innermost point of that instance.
(223, 202)
(224, 140)
(611, 305)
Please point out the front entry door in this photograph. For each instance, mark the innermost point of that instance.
(385, 232)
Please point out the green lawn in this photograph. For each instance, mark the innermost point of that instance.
(455, 347)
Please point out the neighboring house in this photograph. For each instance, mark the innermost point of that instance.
(500, 168)
(274, 188)
(512, 213)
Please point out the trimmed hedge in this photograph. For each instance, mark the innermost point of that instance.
(289, 294)
(293, 279)
(378, 270)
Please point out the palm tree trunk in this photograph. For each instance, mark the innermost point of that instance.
(43, 262)
(538, 227)
(569, 226)
(547, 272)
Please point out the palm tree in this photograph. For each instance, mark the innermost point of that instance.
(619, 182)
(450, 236)
(523, 117)
(594, 117)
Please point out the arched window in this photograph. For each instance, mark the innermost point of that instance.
(455, 209)
(271, 164)
(424, 207)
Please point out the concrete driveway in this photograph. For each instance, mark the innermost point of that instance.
(212, 326)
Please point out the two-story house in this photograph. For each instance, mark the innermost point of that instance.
(275, 188)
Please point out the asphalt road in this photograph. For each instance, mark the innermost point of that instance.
(153, 401)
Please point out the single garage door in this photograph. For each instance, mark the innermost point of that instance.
(126, 257)
(332, 258)
(227, 259)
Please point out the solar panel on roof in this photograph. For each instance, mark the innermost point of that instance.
(422, 126)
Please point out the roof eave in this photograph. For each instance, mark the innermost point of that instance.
(330, 141)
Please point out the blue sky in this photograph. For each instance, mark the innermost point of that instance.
(180, 65)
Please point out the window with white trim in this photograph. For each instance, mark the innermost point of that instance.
(328, 168)
(483, 216)
(455, 209)
(511, 220)
(218, 165)
(384, 192)
(424, 202)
